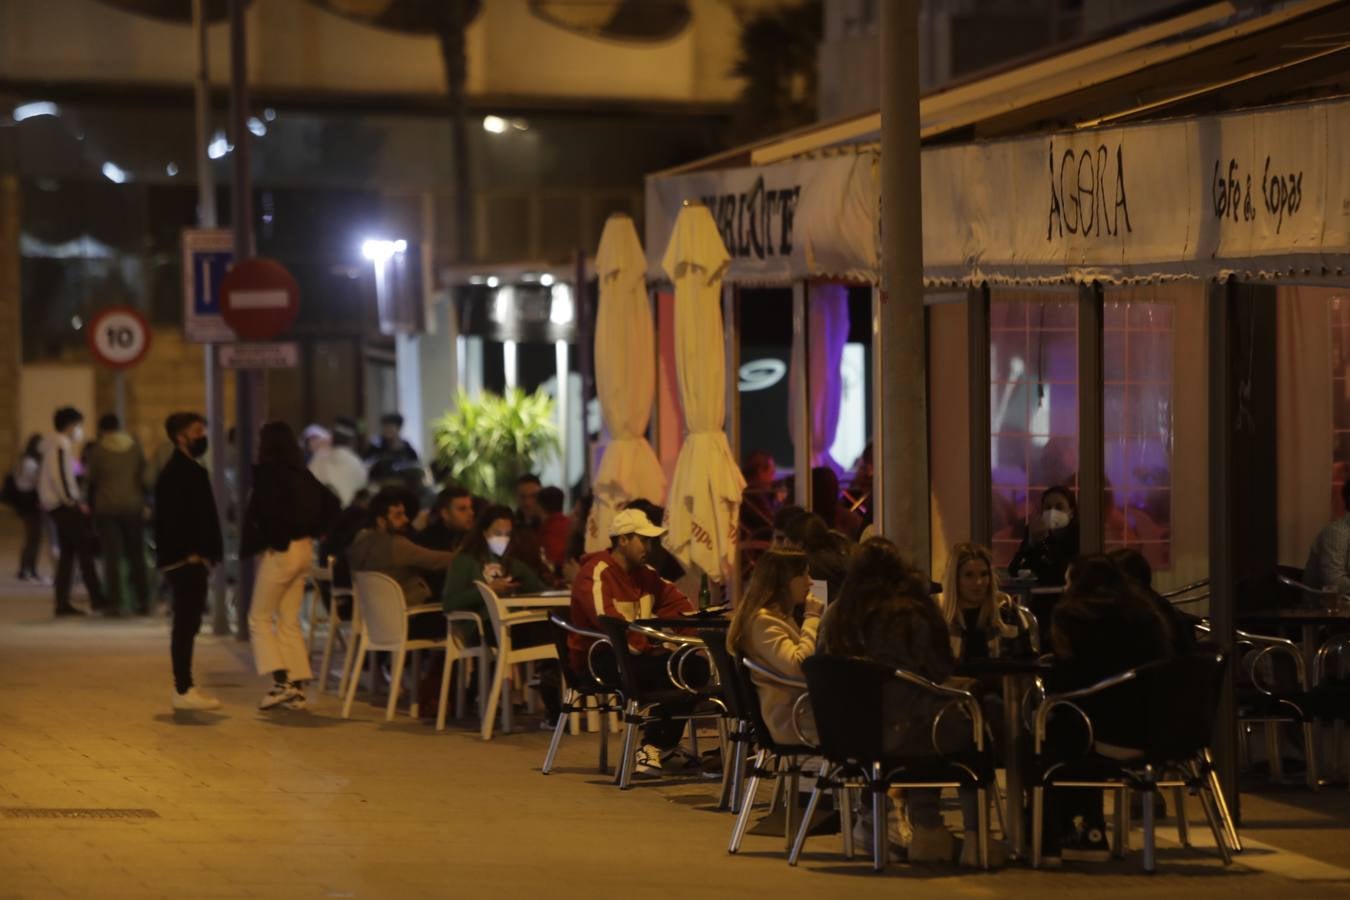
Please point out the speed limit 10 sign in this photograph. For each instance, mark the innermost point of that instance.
(119, 337)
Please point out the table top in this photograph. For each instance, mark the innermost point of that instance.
(544, 599)
(695, 621)
(1004, 665)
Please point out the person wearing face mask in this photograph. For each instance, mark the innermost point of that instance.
(483, 557)
(59, 494)
(1051, 541)
(187, 544)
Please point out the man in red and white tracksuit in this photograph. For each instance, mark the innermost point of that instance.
(618, 582)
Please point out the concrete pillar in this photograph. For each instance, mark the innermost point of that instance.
(903, 424)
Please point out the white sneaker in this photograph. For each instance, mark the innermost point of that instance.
(297, 700)
(279, 694)
(194, 699)
(647, 762)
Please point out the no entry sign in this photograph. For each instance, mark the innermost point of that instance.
(259, 299)
(119, 337)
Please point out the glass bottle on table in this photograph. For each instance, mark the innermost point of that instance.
(704, 593)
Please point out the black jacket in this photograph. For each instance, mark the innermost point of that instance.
(186, 521)
(287, 503)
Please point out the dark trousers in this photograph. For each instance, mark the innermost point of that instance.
(650, 671)
(189, 585)
(72, 533)
(122, 538)
(32, 540)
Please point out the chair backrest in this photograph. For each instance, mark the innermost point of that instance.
(847, 697)
(493, 604)
(730, 676)
(758, 726)
(383, 608)
(616, 630)
(1183, 698)
(582, 681)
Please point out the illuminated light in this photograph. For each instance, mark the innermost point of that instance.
(219, 146)
(761, 374)
(270, 114)
(256, 126)
(520, 125)
(477, 279)
(36, 110)
(115, 173)
(494, 124)
(560, 311)
(503, 304)
(493, 281)
(171, 169)
(546, 280)
(380, 251)
(76, 322)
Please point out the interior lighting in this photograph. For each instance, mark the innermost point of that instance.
(494, 124)
(546, 280)
(560, 311)
(493, 281)
(269, 114)
(520, 125)
(171, 169)
(219, 146)
(114, 173)
(380, 251)
(503, 303)
(36, 109)
(256, 126)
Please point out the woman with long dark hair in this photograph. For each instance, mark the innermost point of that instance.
(287, 511)
(764, 629)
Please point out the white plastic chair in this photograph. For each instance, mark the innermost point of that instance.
(465, 655)
(319, 576)
(384, 626)
(507, 656)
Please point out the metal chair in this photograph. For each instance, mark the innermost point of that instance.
(644, 705)
(848, 702)
(1272, 690)
(580, 687)
(736, 697)
(1179, 697)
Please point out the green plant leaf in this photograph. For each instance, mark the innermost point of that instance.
(487, 443)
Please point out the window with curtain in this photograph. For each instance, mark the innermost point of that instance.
(1339, 311)
(1033, 372)
(1137, 358)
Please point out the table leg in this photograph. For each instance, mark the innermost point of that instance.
(1309, 648)
(1012, 761)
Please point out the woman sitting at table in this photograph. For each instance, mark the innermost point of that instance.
(765, 631)
(1051, 541)
(980, 618)
(1104, 625)
(884, 613)
(483, 557)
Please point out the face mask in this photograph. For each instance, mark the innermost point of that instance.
(498, 545)
(198, 447)
(1055, 518)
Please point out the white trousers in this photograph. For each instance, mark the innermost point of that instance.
(274, 616)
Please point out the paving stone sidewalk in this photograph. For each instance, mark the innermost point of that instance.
(305, 804)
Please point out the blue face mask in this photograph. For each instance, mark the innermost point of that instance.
(498, 545)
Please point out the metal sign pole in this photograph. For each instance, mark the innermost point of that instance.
(215, 382)
(246, 383)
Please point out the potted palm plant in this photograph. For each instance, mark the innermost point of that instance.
(487, 443)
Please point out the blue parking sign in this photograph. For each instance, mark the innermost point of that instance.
(207, 256)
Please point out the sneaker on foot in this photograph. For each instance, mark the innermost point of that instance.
(279, 694)
(1085, 844)
(932, 843)
(647, 762)
(194, 699)
(297, 699)
(680, 758)
(69, 610)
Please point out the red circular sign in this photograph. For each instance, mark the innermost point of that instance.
(119, 337)
(259, 299)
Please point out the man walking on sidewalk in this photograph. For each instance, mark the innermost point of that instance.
(116, 472)
(187, 545)
(59, 494)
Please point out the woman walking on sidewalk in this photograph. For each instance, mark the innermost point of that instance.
(287, 511)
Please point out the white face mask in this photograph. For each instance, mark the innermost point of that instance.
(498, 544)
(1055, 518)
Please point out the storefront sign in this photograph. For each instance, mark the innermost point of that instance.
(815, 218)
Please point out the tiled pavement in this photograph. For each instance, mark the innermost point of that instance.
(308, 805)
